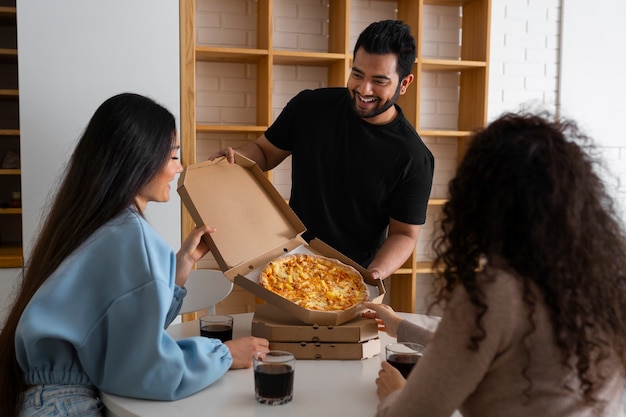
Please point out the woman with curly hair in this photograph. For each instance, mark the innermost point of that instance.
(531, 271)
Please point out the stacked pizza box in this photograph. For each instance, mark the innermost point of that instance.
(254, 225)
(356, 339)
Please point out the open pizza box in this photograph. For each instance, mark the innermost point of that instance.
(255, 225)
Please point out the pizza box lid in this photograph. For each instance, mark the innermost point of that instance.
(330, 350)
(271, 323)
(249, 214)
(255, 225)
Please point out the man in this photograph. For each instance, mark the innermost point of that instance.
(361, 175)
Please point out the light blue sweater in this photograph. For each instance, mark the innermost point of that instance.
(100, 319)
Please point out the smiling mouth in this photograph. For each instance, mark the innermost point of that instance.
(365, 103)
(366, 100)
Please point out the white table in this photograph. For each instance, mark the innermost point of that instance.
(324, 388)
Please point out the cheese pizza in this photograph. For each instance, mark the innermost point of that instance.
(315, 282)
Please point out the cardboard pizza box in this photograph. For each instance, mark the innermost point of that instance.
(270, 323)
(254, 226)
(330, 351)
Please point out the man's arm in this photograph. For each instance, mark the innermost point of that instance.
(399, 245)
(262, 151)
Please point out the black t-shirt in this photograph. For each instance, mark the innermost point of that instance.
(349, 176)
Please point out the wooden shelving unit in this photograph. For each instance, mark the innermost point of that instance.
(471, 66)
(10, 216)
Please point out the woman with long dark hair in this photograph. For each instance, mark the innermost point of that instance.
(101, 285)
(531, 271)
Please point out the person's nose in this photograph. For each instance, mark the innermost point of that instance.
(365, 88)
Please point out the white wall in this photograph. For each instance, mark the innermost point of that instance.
(592, 85)
(74, 54)
(524, 55)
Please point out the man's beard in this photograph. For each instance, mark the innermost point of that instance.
(378, 109)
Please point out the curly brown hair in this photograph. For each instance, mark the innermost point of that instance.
(527, 192)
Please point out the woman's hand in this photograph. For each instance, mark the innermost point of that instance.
(389, 380)
(388, 320)
(191, 251)
(244, 348)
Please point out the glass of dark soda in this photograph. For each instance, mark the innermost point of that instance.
(217, 327)
(273, 376)
(404, 356)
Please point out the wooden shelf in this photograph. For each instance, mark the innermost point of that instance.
(9, 94)
(10, 218)
(8, 13)
(437, 201)
(423, 268)
(9, 132)
(283, 57)
(444, 133)
(10, 172)
(447, 2)
(11, 256)
(230, 129)
(420, 268)
(306, 58)
(216, 54)
(8, 55)
(429, 64)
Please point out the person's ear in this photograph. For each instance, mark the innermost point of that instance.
(405, 83)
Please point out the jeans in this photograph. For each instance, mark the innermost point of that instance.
(61, 401)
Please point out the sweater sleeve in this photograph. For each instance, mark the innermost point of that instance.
(177, 303)
(411, 332)
(128, 351)
(449, 371)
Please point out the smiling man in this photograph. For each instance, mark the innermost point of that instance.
(361, 175)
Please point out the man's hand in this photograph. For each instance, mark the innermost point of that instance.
(229, 153)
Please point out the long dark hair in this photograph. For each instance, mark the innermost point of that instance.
(390, 36)
(527, 193)
(127, 141)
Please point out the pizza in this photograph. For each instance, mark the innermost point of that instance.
(315, 282)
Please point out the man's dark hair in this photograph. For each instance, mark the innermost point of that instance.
(389, 36)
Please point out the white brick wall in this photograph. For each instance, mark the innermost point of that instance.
(364, 12)
(441, 35)
(226, 23)
(523, 66)
(301, 25)
(524, 70)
